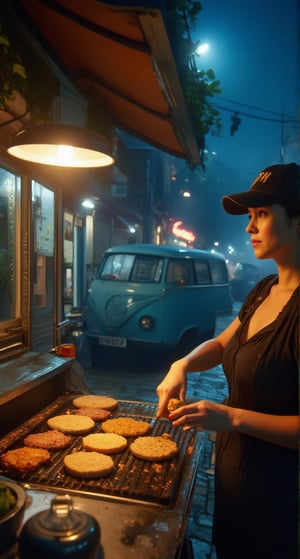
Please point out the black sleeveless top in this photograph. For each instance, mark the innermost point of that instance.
(256, 489)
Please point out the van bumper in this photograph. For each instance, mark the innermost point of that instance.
(115, 342)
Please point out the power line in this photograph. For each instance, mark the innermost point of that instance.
(282, 120)
(253, 107)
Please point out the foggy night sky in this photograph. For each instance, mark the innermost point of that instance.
(255, 55)
(254, 51)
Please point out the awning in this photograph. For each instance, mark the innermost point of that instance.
(118, 55)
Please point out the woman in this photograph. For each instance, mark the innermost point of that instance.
(256, 476)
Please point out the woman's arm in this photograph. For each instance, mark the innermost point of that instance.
(205, 356)
(210, 416)
(278, 429)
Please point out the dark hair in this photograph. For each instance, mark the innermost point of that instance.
(292, 210)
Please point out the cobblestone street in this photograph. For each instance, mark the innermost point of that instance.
(199, 531)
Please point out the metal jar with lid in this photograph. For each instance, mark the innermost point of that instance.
(60, 532)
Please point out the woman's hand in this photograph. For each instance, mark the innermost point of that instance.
(283, 430)
(205, 356)
(204, 416)
(172, 386)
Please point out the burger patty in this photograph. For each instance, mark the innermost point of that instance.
(25, 459)
(51, 440)
(97, 414)
(126, 426)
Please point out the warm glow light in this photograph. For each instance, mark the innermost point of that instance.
(62, 146)
(65, 153)
(62, 156)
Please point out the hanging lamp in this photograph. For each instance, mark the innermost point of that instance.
(62, 145)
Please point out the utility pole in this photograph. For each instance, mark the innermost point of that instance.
(283, 140)
(148, 205)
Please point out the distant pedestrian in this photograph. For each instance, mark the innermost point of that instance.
(256, 475)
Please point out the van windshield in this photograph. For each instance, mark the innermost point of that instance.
(130, 267)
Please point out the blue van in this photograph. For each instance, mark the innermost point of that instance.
(157, 297)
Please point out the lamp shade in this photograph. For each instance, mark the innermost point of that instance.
(62, 145)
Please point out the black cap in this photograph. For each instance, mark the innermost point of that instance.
(274, 185)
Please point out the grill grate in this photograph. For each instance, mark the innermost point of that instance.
(134, 479)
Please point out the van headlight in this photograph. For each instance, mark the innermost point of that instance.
(146, 322)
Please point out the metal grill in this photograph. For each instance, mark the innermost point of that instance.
(132, 478)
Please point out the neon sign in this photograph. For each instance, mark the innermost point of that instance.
(179, 231)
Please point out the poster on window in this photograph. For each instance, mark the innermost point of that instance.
(43, 211)
(68, 237)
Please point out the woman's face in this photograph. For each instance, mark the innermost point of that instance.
(273, 233)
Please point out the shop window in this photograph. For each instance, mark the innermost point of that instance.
(43, 249)
(43, 285)
(9, 205)
(12, 335)
(68, 281)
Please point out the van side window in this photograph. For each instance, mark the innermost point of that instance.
(202, 272)
(117, 267)
(158, 271)
(180, 272)
(146, 269)
(218, 271)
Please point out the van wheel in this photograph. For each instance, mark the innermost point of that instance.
(188, 341)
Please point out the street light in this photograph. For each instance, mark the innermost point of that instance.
(88, 204)
(202, 49)
(186, 194)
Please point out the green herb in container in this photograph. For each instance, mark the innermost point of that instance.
(7, 499)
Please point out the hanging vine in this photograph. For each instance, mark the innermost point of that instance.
(199, 86)
(12, 71)
(22, 70)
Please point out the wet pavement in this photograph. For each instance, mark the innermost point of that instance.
(128, 383)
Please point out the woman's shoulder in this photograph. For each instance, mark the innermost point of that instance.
(257, 294)
(264, 285)
(267, 281)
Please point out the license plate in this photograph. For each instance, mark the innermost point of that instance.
(112, 341)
